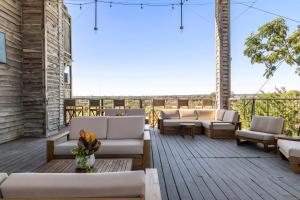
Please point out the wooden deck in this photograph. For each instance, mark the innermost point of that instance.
(191, 169)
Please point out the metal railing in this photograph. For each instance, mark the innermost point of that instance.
(288, 108)
(133, 103)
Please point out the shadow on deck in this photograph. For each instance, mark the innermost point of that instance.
(190, 169)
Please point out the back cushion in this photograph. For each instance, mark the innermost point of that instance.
(187, 114)
(97, 125)
(74, 185)
(135, 112)
(267, 124)
(231, 116)
(114, 112)
(205, 114)
(126, 127)
(220, 114)
(169, 114)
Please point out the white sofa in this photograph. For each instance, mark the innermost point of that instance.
(262, 130)
(115, 185)
(290, 150)
(119, 136)
(215, 123)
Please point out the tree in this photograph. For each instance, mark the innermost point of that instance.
(271, 46)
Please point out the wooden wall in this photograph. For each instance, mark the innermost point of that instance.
(34, 101)
(11, 116)
(31, 83)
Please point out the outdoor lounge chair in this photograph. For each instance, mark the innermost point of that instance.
(290, 150)
(132, 185)
(262, 130)
(214, 123)
(121, 137)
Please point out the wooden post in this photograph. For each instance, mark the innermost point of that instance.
(223, 58)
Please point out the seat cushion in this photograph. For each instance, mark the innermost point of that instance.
(188, 114)
(169, 114)
(217, 126)
(97, 125)
(74, 185)
(135, 112)
(255, 135)
(205, 114)
(121, 147)
(176, 122)
(126, 127)
(220, 114)
(124, 146)
(231, 116)
(114, 112)
(289, 148)
(267, 124)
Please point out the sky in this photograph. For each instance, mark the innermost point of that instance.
(143, 52)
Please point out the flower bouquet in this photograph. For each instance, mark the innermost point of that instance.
(87, 146)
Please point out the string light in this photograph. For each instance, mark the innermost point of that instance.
(80, 7)
(110, 4)
(142, 6)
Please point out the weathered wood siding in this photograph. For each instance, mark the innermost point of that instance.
(56, 60)
(11, 116)
(33, 67)
(223, 57)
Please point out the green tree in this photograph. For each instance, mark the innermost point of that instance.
(272, 45)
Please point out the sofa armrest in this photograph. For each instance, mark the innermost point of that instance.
(152, 189)
(51, 142)
(147, 150)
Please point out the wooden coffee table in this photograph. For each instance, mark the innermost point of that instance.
(101, 165)
(188, 128)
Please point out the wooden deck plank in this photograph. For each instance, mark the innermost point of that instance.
(189, 169)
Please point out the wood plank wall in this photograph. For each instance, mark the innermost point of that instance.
(34, 101)
(32, 82)
(53, 64)
(11, 116)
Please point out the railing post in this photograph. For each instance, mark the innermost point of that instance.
(102, 107)
(253, 108)
(141, 103)
(244, 102)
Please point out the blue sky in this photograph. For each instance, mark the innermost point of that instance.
(143, 52)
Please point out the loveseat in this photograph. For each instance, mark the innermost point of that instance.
(121, 137)
(289, 149)
(214, 123)
(262, 130)
(109, 186)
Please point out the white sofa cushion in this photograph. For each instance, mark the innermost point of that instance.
(177, 122)
(169, 114)
(3, 176)
(98, 125)
(231, 116)
(205, 114)
(114, 112)
(255, 135)
(220, 114)
(74, 185)
(135, 112)
(267, 124)
(124, 146)
(128, 127)
(289, 148)
(217, 126)
(187, 114)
